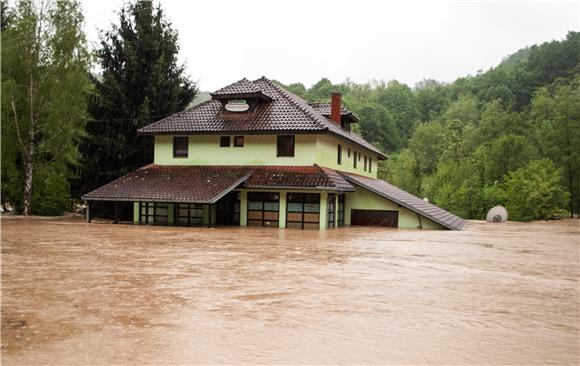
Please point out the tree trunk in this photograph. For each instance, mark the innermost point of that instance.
(28, 171)
(28, 161)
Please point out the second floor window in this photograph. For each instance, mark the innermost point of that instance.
(180, 147)
(354, 160)
(339, 159)
(370, 165)
(239, 141)
(225, 141)
(285, 145)
(365, 166)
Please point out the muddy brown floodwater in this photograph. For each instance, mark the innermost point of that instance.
(76, 293)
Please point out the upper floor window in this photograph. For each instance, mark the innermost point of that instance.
(354, 160)
(285, 145)
(339, 158)
(365, 166)
(180, 147)
(370, 165)
(348, 152)
(225, 141)
(239, 141)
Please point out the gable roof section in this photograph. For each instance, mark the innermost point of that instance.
(286, 113)
(207, 184)
(407, 200)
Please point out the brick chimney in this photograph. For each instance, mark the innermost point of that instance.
(335, 107)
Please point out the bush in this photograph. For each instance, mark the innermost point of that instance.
(50, 194)
(535, 192)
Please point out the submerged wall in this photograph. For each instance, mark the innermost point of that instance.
(363, 199)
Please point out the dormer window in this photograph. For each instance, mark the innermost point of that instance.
(237, 105)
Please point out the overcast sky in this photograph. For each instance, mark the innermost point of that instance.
(303, 41)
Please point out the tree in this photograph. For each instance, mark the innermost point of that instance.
(141, 82)
(535, 192)
(506, 154)
(431, 99)
(558, 114)
(45, 84)
(400, 101)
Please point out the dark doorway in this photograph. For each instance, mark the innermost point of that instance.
(374, 218)
(228, 209)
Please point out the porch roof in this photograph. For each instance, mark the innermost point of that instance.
(207, 184)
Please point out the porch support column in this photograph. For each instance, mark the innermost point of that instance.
(206, 215)
(323, 210)
(244, 208)
(171, 213)
(116, 221)
(88, 212)
(336, 209)
(136, 212)
(282, 210)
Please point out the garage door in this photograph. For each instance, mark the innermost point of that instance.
(374, 218)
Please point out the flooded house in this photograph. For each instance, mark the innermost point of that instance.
(258, 155)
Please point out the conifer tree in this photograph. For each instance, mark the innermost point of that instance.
(140, 82)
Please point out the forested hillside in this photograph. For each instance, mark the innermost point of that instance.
(510, 135)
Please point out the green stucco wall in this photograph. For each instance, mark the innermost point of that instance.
(257, 150)
(261, 150)
(327, 156)
(365, 200)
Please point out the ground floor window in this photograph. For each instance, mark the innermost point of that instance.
(189, 214)
(303, 211)
(331, 222)
(340, 211)
(153, 213)
(263, 209)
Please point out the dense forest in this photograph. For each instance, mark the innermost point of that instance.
(509, 135)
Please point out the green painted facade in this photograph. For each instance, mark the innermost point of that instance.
(261, 150)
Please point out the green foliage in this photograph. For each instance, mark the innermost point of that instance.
(52, 196)
(507, 153)
(457, 143)
(556, 112)
(45, 83)
(535, 191)
(141, 82)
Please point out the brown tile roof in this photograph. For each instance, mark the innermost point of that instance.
(324, 109)
(285, 113)
(305, 177)
(240, 88)
(407, 200)
(171, 183)
(207, 184)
